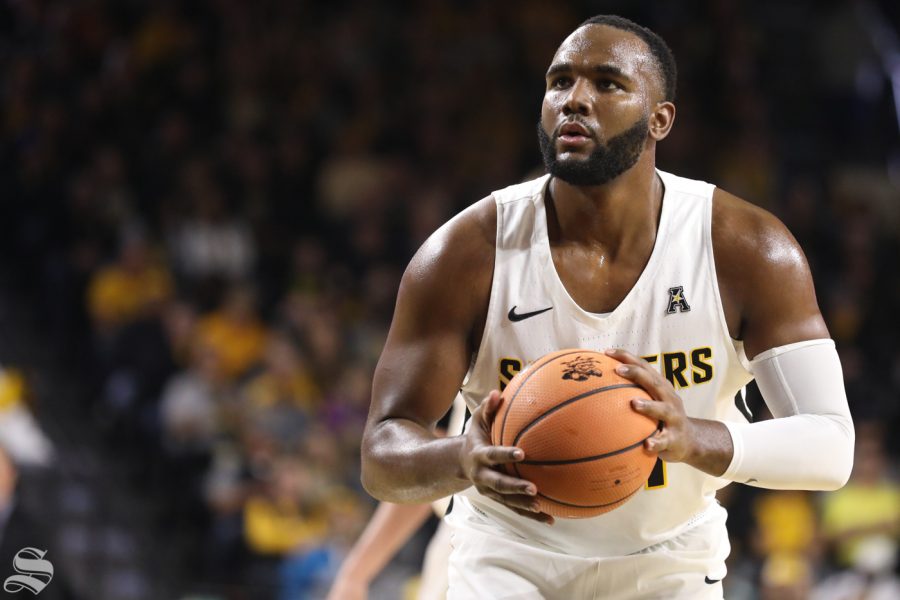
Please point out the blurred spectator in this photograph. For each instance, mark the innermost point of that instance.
(20, 434)
(283, 399)
(226, 486)
(138, 362)
(785, 576)
(346, 407)
(288, 513)
(785, 523)
(235, 332)
(324, 339)
(194, 403)
(307, 266)
(128, 289)
(209, 244)
(851, 585)
(287, 524)
(195, 411)
(786, 536)
(861, 522)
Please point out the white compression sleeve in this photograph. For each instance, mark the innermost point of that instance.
(809, 443)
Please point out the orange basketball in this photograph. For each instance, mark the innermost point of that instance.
(584, 444)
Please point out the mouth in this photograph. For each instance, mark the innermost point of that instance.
(573, 133)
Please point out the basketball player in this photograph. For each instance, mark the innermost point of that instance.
(696, 291)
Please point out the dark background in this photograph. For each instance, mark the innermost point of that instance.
(207, 206)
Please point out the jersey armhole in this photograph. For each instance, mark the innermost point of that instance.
(737, 346)
(491, 299)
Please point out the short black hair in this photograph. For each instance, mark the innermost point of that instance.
(665, 60)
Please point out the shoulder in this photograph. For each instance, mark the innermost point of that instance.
(747, 236)
(764, 279)
(468, 240)
(465, 243)
(452, 271)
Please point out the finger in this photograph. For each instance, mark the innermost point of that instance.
(658, 442)
(489, 407)
(661, 411)
(623, 356)
(503, 484)
(515, 501)
(498, 455)
(532, 512)
(538, 516)
(647, 378)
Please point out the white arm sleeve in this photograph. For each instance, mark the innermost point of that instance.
(809, 443)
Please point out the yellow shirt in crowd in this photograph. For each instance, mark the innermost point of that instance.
(239, 345)
(299, 390)
(274, 528)
(117, 296)
(875, 508)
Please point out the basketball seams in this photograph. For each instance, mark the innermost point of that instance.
(551, 358)
(613, 503)
(535, 369)
(572, 461)
(570, 401)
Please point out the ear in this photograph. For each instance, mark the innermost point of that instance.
(661, 120)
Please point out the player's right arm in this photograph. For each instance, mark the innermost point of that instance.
(440, 311)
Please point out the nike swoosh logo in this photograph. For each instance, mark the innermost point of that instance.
(711, 581)
(514, 316)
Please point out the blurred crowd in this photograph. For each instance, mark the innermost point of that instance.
(211, 204)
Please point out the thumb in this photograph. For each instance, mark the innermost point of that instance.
(489, 407)
(658, 442)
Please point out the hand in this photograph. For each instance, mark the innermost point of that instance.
(675, 441)
(478, 459)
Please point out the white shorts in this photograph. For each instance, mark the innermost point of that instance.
(489, 562)
(433, 584)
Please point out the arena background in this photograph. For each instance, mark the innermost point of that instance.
(207, 206)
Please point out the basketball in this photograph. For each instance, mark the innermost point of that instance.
(571, 415)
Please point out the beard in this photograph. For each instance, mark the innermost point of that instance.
(604, 164)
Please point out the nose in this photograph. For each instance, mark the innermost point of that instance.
(579, 99)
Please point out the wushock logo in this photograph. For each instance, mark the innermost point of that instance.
(34, 573)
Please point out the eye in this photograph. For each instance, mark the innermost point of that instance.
(608, 84)
(560, 82)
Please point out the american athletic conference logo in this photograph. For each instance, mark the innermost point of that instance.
(34, 573)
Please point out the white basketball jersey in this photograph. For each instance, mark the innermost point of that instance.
(672, 317)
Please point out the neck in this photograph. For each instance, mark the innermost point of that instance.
(614, 215)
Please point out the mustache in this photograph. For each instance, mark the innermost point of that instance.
(609, 158)
(575, 120)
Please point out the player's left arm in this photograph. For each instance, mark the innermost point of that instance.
(770, 303)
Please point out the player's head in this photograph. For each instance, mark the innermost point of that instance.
(609, 94)
(666, 70)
